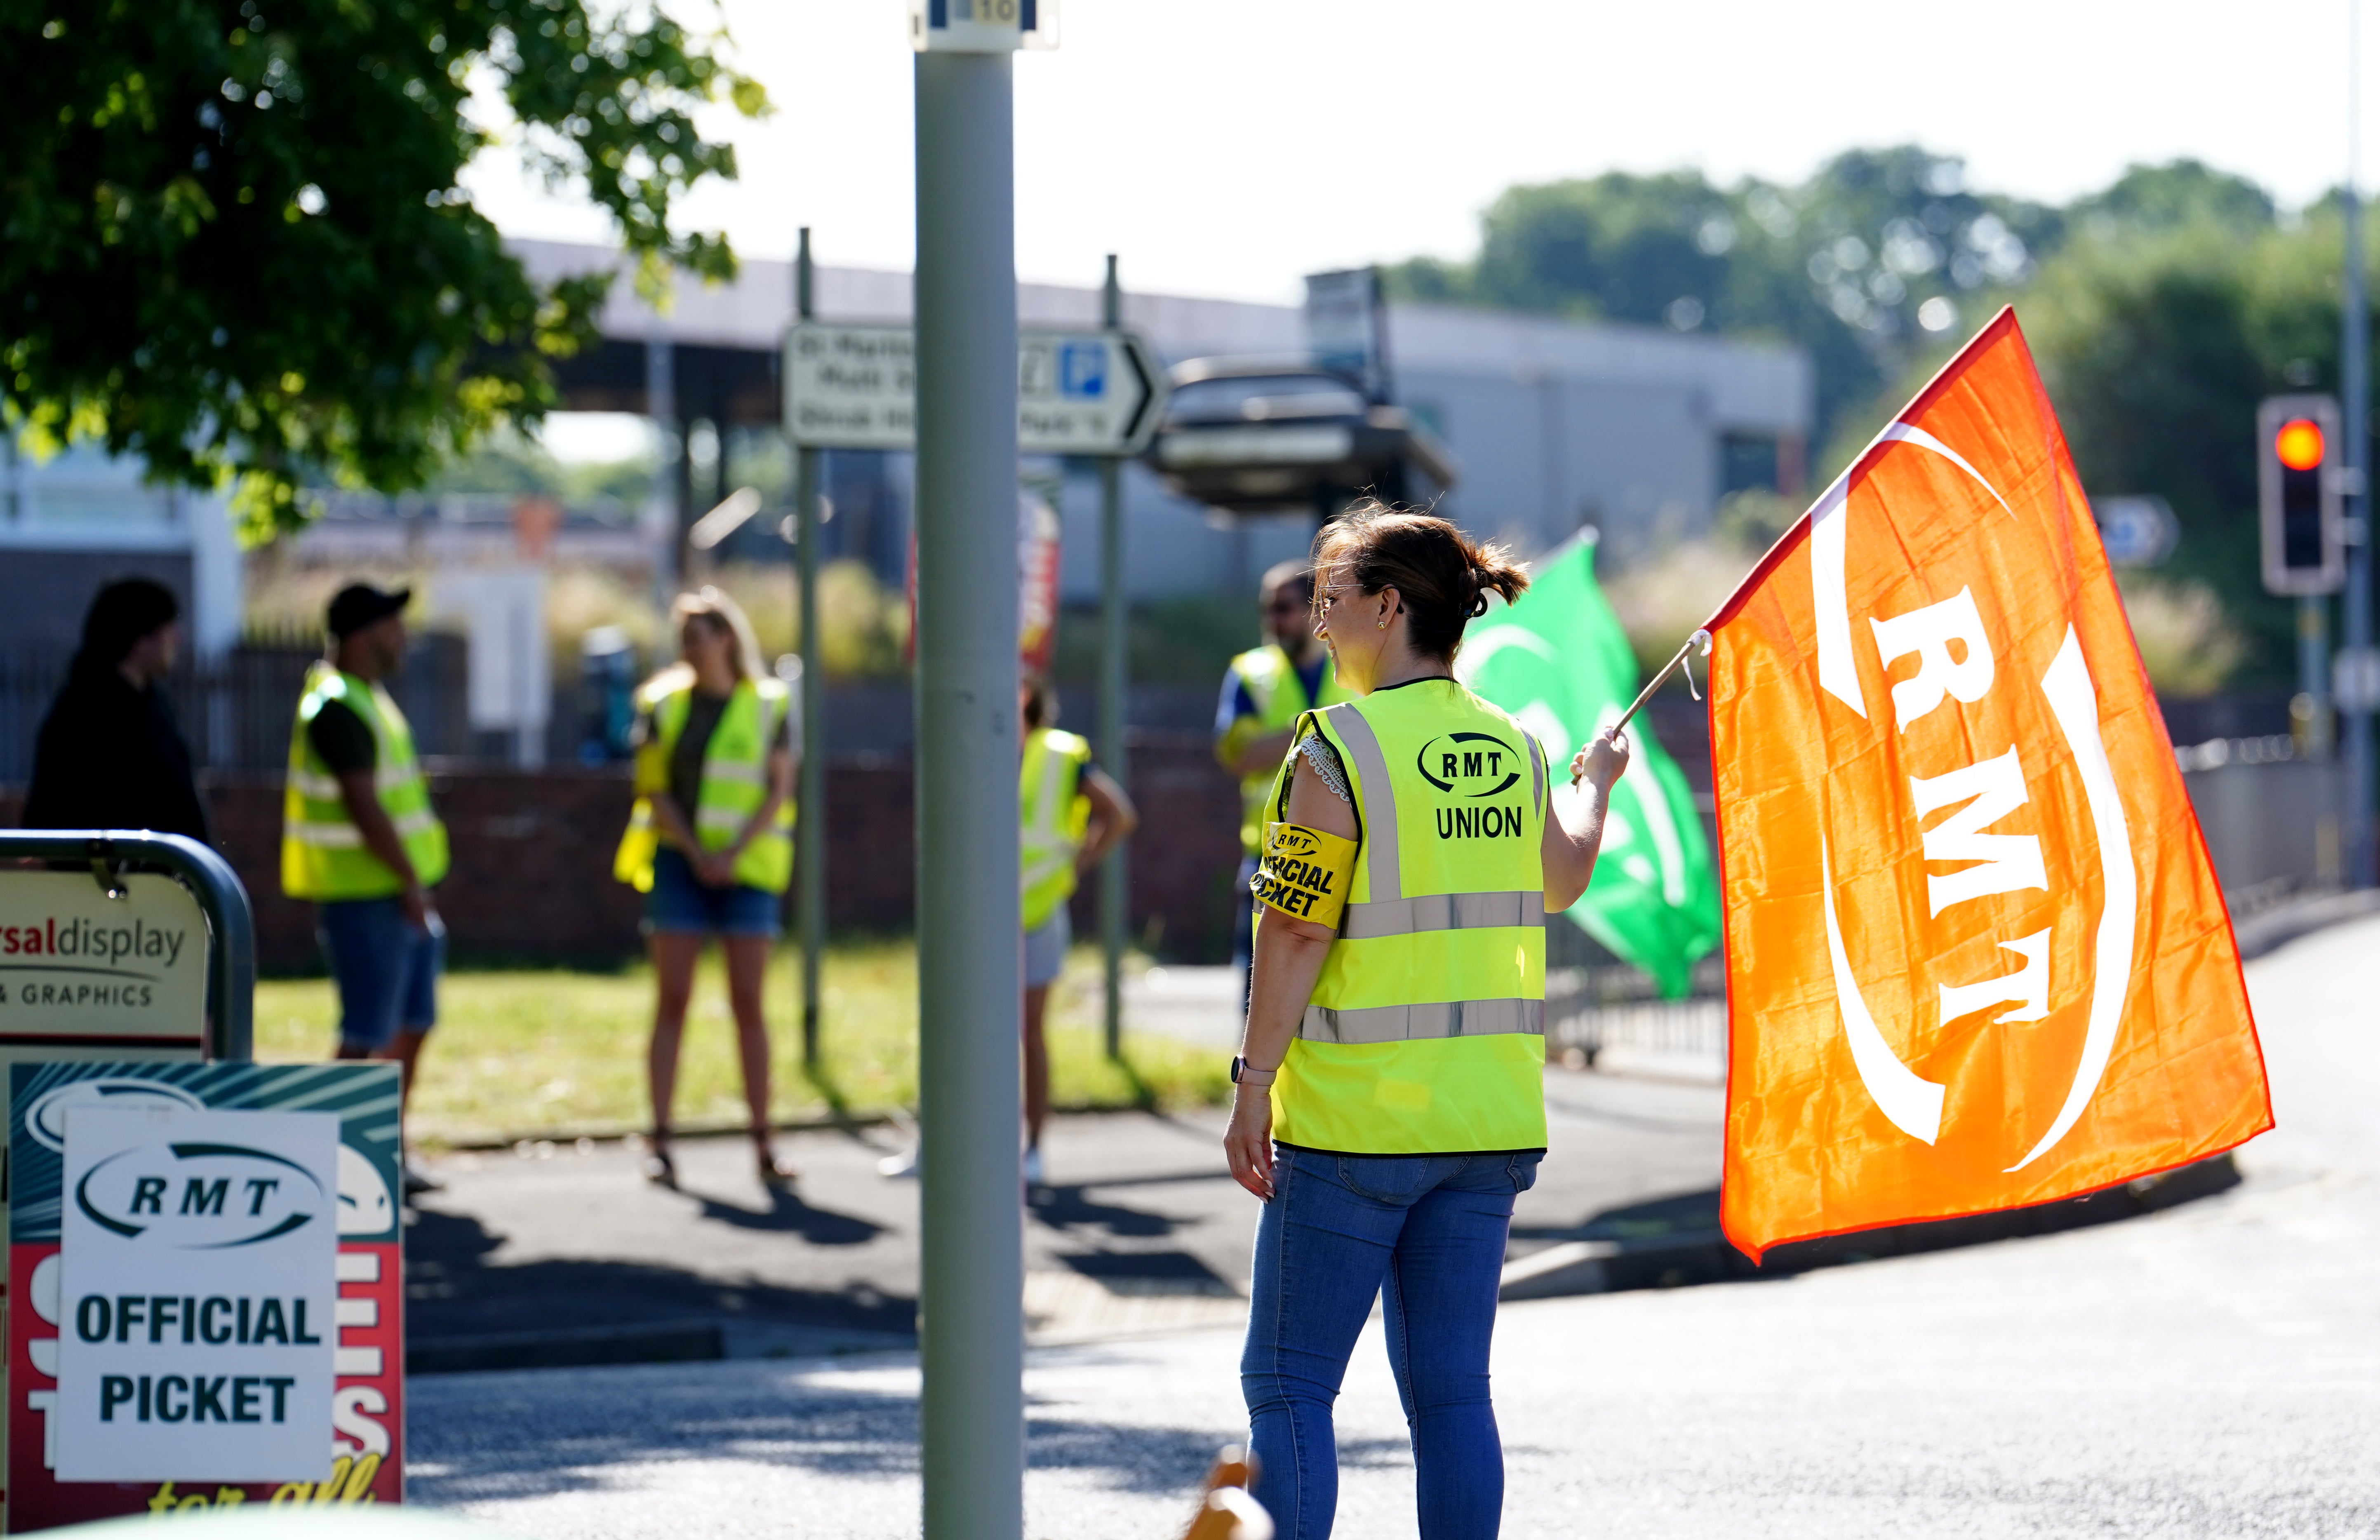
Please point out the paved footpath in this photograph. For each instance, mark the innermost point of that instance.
(1143, 1229)
(2210, 1370)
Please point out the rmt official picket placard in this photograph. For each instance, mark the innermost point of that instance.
(199, 1286)
(205, 1269)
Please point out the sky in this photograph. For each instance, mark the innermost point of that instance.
(1227, 147)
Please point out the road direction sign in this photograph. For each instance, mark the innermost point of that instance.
(1077, 393)
(2136, 531)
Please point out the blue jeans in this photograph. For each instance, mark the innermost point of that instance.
(386, 971)
(1426, 1233)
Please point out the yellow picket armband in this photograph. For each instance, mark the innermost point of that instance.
(1304, 873)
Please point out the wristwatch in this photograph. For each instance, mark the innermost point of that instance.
(1243, 1073)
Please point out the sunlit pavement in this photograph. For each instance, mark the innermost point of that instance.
(2211, 1370)
(1141, 1229)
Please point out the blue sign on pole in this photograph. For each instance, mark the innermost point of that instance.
(1082, 369)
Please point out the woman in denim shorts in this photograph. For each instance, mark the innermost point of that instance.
(695, 892)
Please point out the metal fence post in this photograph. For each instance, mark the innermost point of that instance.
(1114, 615)
(2356, 407)
(809, 900)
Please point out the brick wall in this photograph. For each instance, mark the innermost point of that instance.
(533, 852)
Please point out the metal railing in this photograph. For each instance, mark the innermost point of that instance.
(492, 509)
(1595, 1003)
(2271, 820)
(234, 711)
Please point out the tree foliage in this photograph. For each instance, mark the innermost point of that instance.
(232, 239)
(1843, 264)
(2161, 310)
(2157, 346)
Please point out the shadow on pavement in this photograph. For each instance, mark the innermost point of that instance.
(495, 1438)
(1069, 1208)
(463, 1312)
(787, 1214)
(1666, 1243)
(1166, 1272)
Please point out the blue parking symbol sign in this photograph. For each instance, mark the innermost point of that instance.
(1082, 369)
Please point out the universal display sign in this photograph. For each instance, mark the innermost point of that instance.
(80, 968)
(205, 1272)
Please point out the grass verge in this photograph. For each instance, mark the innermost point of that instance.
(543, 1055)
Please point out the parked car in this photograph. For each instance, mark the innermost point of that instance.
(1275, 435)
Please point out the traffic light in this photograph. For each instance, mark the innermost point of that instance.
(2300, 478)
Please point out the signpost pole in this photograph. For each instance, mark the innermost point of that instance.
(1114, 611)
(969, 962)
(2314, 672)
(2355, 356)
(809, 829)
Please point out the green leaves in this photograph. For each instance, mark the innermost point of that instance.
(232, 238)
(1844, 265)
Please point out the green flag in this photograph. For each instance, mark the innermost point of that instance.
(1559, 662)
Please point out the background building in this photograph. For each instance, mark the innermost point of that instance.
(1637, 430)
(75, 521)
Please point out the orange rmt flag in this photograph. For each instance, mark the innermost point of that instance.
(1977, 955)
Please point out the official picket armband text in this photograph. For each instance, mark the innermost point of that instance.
(1304, 873)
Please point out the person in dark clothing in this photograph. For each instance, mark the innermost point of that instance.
(110, 755)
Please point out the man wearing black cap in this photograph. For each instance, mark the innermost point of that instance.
(359, 838)
(109, 755)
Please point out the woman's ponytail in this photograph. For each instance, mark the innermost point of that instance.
(1443, 579)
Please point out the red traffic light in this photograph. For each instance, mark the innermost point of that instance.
(2299, 443)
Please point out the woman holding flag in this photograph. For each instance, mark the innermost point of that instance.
(1390, 1104)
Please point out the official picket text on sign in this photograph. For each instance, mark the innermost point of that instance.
(199, 1289)
(205, 1274)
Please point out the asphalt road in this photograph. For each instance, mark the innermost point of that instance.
(1141, 1223)
(2210, 1370)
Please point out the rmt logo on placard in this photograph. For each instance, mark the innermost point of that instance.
(1473, 767)
(200, 1196)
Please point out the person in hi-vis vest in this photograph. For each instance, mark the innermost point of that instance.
(1072, 813)
(359, 839)
(711, 844)
(1265, 691)
(1390, 1099)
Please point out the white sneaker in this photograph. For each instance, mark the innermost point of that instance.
(1033, 1167)
(902, 1165)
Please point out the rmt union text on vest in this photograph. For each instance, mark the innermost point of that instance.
(1479, 823)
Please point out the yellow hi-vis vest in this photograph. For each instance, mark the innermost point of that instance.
(323, 854)
(734, 784)
(1426, 1031)
(1279, 697)
(1054, 812)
